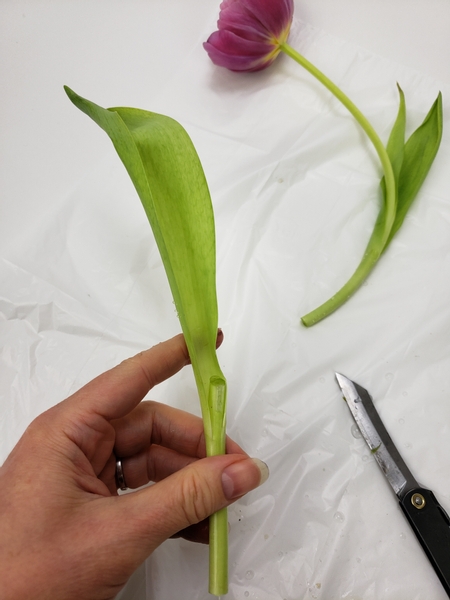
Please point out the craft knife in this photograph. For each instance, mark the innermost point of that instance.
(426, 516)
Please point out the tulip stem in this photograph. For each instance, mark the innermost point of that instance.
(377, 242)
(218, 522)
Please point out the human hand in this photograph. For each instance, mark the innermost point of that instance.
(65, 533)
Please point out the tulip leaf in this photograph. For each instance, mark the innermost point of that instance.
(169, 179)
(395, 149)
(396, 143)
(419, 153)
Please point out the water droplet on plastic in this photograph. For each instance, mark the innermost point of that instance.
(401, 421)
(249, 575)
(339, 517)
(246, 594)
(280, 180)
(264, 432)
(365, 458)
(408, 445)
(355, 431)
(389, 376)
(403, 536)
(280, 554)
(404, 393)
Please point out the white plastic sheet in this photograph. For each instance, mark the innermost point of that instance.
(295, 191)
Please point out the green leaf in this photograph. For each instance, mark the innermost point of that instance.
(419, 153)
(396, 151)
(396, 143)
(166, 171)
(167, 174)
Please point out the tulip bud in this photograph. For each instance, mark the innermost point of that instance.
(249, 33)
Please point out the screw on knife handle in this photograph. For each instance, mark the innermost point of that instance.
(431, 524)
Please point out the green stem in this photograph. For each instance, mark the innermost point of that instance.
(218, 553)
(367, 263)
(377, 243)
(218, 522)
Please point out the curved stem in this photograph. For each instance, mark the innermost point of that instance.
(378, 242)
(367, 263)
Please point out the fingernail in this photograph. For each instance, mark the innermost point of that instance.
(242, 477)
(219, 338)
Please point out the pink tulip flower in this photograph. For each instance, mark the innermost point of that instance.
(250, 33)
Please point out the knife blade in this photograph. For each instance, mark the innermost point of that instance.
(427, 517)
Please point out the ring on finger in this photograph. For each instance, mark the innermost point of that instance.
(120, 477)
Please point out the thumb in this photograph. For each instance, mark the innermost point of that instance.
(190, 496)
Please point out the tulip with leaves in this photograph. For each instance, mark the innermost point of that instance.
(250, 35)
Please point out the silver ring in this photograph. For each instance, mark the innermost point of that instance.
(120, 477)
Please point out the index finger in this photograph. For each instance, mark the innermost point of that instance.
(154, 423)
(155, 440)
(116, 392)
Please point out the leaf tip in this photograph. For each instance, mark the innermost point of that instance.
(68, 91)
(401, 94)
(71, 94)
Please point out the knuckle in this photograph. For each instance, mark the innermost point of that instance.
(139, 363)
(197, 498)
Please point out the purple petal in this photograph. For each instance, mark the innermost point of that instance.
(228, 42)
(249, 32)
(274, 15)
(226, 49)
(236, 63)
(239, 21)
(227, 3)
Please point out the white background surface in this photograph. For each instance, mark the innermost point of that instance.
(295, 193)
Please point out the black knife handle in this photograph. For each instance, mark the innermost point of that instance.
(431, 525)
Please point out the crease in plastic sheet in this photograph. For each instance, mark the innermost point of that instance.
(295, 192)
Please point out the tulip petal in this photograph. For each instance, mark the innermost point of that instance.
(230, 43)
(228, 50)
(227, 3)
(242, 24)
(274, 15)
(249, 33)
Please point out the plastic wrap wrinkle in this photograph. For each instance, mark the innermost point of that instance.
(295, 192)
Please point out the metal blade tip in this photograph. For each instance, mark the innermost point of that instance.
(342, 380)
